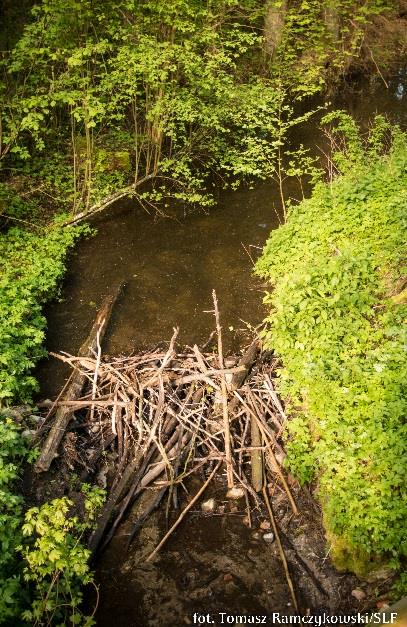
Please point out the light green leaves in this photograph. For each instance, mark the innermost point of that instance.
(333, 266)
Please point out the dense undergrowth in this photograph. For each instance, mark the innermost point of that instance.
(95, 97)
(43, 561)
(31, 266)
(43, 564)
(337, 320)
(317, 44)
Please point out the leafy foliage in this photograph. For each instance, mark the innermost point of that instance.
(175, 88)
(340, 331)
(12, 450)
(318, 41)
(57, 563)
(43, 564)
(31, 265)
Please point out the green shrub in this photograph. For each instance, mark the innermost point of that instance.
(12, 451)
(336, 267)
(31, 264)
(56, 561)
(43, 564)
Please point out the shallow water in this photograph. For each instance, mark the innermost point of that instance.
(169, 267)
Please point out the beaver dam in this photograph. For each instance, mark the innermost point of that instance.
(200, 516)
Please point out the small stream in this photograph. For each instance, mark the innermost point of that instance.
(170, 267)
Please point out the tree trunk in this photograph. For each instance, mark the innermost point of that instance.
(274, 24)
(332, 20)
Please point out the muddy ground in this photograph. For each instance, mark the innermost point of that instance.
(215, 564)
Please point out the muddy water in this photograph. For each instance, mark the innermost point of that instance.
(170, 267)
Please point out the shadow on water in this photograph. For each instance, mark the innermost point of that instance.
(169, 267)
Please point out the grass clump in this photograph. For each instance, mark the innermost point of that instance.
(337, 321)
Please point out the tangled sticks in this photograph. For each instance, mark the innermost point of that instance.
(167, 414)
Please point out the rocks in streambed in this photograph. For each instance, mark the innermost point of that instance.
(358, 594)
(208, 506)
(235, 493)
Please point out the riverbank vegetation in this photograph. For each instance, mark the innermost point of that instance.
(43, 564)
(338, 306)
(316, 45)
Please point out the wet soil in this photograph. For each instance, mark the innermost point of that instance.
(214, 563)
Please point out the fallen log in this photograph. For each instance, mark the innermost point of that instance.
(64, 413)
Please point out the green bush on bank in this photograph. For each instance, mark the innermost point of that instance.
(13, 450)
(43, 564)
(31, 264)
(338, 323)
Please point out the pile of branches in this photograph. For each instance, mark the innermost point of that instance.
(168, 414)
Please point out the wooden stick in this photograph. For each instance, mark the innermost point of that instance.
(270, 452)
(199, 359)
(256, 455)
(280, 548)
(244, 365)
(95, 376)
(183, 513)
(167, 359)
(269, 386)
(64, 414)
(226, 426)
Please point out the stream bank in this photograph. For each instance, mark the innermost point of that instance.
(170, 265)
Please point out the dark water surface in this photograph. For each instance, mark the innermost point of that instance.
(170, 267)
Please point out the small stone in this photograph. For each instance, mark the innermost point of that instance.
(265, 525)
(208, 506)
(95, 428)
(28, 433)
(382, 605)
(235, 493)
(35, 418)
(227, 577)
(246, 521)
(268, 537)
(358, 594)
